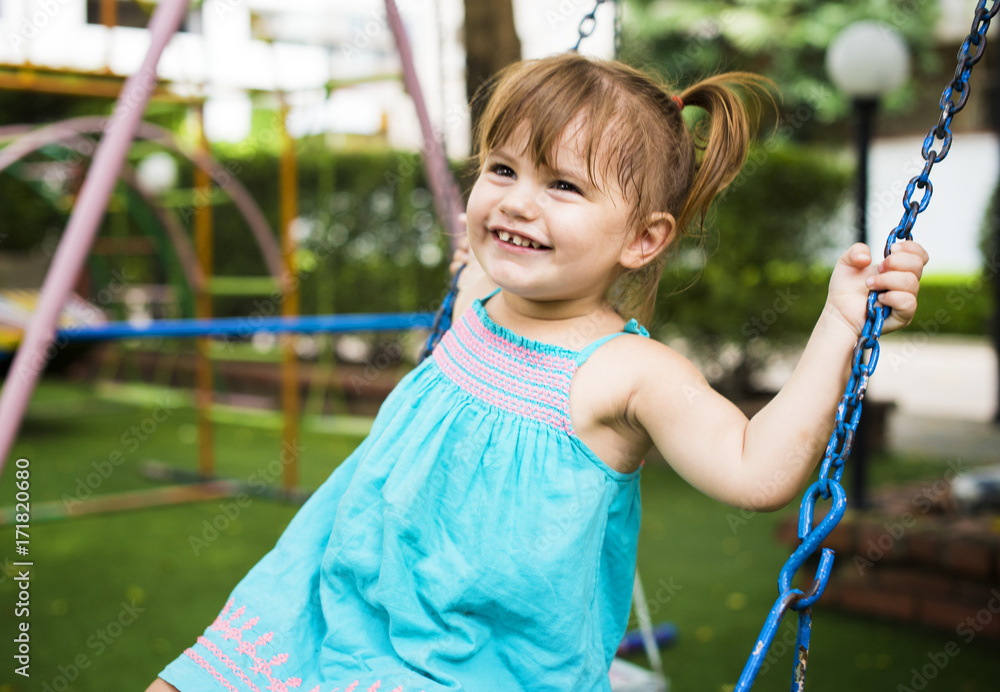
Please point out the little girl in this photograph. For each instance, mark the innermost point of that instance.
(484, 536)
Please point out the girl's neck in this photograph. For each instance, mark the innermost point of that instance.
(568, 323)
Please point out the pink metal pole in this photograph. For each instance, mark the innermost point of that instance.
(447, 199)
(37, 346)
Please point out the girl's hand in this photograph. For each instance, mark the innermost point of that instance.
(898, 275)
(461, 256)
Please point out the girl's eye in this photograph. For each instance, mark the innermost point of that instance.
(502, 170)
(563, 186)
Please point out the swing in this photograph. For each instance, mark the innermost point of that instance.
(864, 360)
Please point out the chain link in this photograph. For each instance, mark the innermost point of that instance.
(864, 360)
(587, 25)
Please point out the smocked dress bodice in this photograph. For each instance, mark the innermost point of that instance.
(472, 541)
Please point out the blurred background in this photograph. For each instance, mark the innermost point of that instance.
(316, 170)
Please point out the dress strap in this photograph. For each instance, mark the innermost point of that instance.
(491, 294)
(631, 327)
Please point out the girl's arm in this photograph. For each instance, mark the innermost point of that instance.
(763, 463)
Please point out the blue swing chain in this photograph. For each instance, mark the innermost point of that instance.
(442, 318)
(865, 358)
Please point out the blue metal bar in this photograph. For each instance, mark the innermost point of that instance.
(246, 326)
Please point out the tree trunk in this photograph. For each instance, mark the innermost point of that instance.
(491, 43)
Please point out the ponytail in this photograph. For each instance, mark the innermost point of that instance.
(723, 136)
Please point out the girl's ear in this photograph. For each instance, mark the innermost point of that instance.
(649, 242)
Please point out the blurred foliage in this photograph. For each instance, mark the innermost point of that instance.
(368, 240)
(760, 270)
(28, 217)
(954, 305)
(41, 108)
(785, 40)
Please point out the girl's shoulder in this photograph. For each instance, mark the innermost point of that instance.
(616, 387)
(634, 356)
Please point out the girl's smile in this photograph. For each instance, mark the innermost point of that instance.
(523, 242)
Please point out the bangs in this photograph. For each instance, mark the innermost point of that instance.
(548, 97)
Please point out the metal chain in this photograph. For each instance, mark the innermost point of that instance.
(442, 318)
(865, 358)
(587, 25)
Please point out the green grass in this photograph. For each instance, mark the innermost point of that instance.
(89, 571)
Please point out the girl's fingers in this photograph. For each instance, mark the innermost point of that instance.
(897, 278)
(858, 255)
(894, 281)
(903, 304)
(460, 257)
(910, 262)
(911, 247)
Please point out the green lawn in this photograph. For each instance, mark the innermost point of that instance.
(115, 597)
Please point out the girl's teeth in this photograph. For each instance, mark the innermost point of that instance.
(517, 240)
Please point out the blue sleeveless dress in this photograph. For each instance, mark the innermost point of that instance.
(471, 542)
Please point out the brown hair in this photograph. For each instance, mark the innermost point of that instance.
(651, 153)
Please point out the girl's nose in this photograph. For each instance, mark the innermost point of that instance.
(520, 202)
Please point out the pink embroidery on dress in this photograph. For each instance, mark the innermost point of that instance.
(194, 656)
(261, 666)
(231, 628)
(510, 377)
(228, 662)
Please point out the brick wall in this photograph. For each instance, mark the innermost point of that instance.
(911, 559)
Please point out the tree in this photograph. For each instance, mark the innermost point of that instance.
(491, 43)
(785, 40)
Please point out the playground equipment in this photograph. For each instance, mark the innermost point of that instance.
(108, 162)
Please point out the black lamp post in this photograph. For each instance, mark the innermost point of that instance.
(865, 60)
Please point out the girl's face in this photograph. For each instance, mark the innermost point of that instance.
(547, 235)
